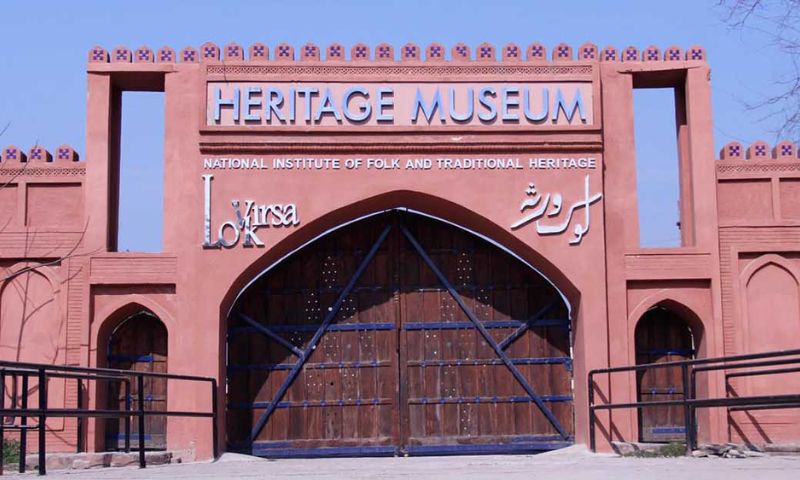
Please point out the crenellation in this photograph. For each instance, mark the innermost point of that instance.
(630, 54)
(511, 52)
(359, 52)
(651, 54)
(233, 52)
(189, 55)
(410, 52)
(143, 54)
(258, 52)
(609, 54)
(384, 53)
(759, 151)
(284, 51)
(121, 54)
(309, 51)
(209, 52)
(588, 51)
(12, 153)
(485, 53)
(562, 53)
(38, 153)
(165, 55)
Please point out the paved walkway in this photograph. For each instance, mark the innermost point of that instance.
(567, 464)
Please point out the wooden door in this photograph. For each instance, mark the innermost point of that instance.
(662, 336)
(362, 344)
(139, 344)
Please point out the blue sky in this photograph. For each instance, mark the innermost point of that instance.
(44, 46)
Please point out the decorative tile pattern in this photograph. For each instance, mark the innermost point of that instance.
(359, 51)
(121, 55)
(335, 52)
(233, 51)
(410, 52)
(165, 55)
(696, 52)
(652, 54)
(587, 51)
(66, 153)
(309, 51)
(460, 52)
(784, 150)
(609, 54)
(511, 52)
(732, 150)
(537, 51)
(384, 52)
(259, 51)
(40, 154)
(758, 150)
(189, 55)
(435, 52)
(143, 55)
(12, 153)
(209, 52)
(562, 51)
(284, 51)
(98, 54)
(485, 51)
(673, 54)
(630, 54)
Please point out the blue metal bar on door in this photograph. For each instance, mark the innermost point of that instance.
(493, 400)
(492, 361)
(549, 322)
(486, 335)
(313, 327)
(269, 333)
(312, 344)
(308, 366)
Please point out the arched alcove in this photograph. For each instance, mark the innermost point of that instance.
(137, 341)
(663, 334)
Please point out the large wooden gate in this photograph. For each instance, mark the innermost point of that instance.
(399, 334)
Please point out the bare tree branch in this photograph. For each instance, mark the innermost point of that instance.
(778, 21)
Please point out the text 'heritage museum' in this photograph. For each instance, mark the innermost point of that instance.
(400, 253)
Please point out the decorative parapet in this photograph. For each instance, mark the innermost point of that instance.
(758, 159)
(759, 151)
(210, 52)
(14, 156)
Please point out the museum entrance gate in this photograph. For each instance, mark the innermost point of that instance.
(399, 334)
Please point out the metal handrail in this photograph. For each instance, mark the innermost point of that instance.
(689, 371)
(44, 372)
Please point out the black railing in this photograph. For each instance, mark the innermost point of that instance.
(690, 403)
(22, 372)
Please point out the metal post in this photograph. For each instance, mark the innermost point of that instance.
(215, 427)
(686, 411)
(42, 421)
(2, 418)
(140, 399)
(592, 440)
(23, 434)
(127, 384)
(693, 394)
(80, 419)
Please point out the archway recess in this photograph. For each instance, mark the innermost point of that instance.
(399, 333)
(662, 335)
(139, 344)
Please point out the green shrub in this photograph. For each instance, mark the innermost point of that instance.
(10, 451)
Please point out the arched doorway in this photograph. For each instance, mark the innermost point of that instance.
(662, 336)
(399, 333)
(138, 344)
